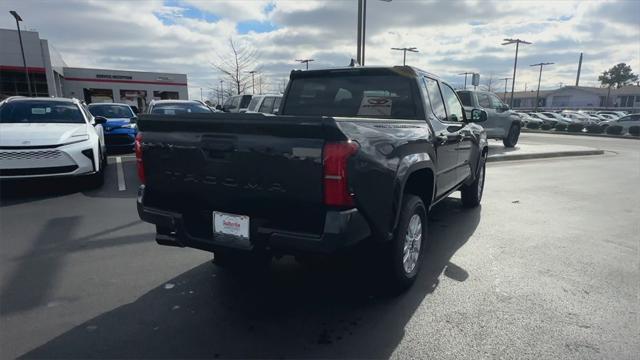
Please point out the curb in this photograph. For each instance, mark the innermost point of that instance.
(533, 131)
(509, 157)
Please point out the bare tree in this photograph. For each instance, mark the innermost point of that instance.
(488, 83)
(235, 64)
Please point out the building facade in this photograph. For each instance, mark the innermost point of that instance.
(49, 75)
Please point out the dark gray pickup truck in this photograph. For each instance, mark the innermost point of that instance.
(356, 154)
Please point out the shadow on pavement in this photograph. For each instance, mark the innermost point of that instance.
(335, 311)
(18, 191)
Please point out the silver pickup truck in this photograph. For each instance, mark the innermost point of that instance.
(502, 123)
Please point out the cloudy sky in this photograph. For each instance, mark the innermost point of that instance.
(186, 36)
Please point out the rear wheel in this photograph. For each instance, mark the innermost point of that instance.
(512, 136)
(408, 243)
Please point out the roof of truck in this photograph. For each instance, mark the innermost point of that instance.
(408, 70)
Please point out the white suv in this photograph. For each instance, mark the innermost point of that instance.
(50, 137)
(266, 104)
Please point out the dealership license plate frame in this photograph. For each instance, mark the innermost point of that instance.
(223, 228)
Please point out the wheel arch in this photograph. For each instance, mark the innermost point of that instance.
(418, 178)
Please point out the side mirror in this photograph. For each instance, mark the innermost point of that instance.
(133, 120)
(478, 115)
(218, 107)
(99, 120)
(503, 107)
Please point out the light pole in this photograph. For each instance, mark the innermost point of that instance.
(305, 61)
(505, 88)
(515, 63)
(253, 81)
(404, 53)
(24, 60)
(362, 25)
(465, 78)
(539, 78)
(221, 93)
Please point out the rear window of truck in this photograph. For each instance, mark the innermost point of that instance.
(384, 96)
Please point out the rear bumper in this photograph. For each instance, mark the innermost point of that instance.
(341, 229)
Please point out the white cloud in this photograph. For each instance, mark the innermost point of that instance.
(452, 36)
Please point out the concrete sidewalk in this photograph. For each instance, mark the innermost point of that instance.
(497, 152)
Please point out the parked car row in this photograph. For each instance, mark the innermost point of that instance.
(587, 119)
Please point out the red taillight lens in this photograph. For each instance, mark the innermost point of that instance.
(139, 164)
(335, 156)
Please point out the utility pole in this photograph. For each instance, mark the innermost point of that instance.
(24, 60)
(221, 93)
(359, 54)
(404, 53)
(515, 63)
(253, 81)
(539, 78)
(465, 78)
(305, 61)
(579, 69)
(505, 88)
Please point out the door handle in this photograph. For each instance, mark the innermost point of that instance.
(442, 139)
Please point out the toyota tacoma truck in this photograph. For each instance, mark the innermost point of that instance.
(355, 154)
(502, 123)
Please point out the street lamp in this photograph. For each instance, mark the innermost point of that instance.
(304, 61)
(465, 78)
(539, 78)
(404, 51)
(362, 25)
(253, 81)
(515, 63)
(24, 60)
(505, 88)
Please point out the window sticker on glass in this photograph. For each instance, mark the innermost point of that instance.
(169, 112)
(38, 111)
(375, 106)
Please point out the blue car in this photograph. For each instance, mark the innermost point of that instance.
(120, 129)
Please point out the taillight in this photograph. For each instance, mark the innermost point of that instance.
(139, 164)
(335, 156)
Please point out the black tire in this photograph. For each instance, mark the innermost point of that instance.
(472, 193)
(512, 136)
(403, 275)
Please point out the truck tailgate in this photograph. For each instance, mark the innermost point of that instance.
(266, 167)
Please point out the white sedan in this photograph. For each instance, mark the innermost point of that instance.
(41, 137)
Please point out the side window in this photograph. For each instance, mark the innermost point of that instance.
(235, 102)
(454, 107)
(267, 105)
(495, 102)
(276, 104)
(435, 98)
(484, 101)
(253, 105)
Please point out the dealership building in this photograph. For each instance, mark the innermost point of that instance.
(49, 75)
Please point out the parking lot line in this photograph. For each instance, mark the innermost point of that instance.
(121, 184)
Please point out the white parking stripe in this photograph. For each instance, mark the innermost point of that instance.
(121, 185)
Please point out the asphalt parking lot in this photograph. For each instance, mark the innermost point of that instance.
(547, 267)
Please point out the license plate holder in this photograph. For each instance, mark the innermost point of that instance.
(231, 229)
